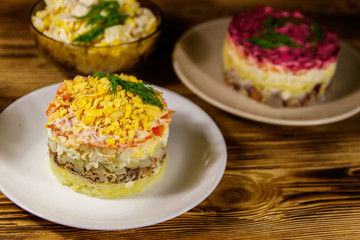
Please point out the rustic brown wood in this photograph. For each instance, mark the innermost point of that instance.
(280, 182)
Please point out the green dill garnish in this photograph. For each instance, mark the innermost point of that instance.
(101, 16)
(269, 39)
(146, 93)
(317, 34)
(316, 31)
(272, 40)
(272, 23)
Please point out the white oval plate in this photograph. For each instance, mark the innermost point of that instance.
(196, 162)
(197, 61)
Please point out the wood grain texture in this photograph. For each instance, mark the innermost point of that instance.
(280, 182)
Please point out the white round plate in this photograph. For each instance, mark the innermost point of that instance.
(195, 164)
(197, 61)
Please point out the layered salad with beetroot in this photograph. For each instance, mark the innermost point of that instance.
(279, 58)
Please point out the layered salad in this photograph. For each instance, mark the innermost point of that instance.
(107, 134)
(279, 58)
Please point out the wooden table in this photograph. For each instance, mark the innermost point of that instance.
(280, 182)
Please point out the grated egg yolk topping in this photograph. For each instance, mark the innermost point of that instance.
(115, 117)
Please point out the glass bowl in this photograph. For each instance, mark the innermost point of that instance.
(87, 59)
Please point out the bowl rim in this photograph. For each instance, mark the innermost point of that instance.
(154, 8)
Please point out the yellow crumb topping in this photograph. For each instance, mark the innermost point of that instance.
(90, 101)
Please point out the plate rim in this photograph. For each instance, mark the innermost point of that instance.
(221, 158)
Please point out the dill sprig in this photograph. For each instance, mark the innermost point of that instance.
(317, 32)
(142, 89)
(101, 16)
(269, 39)
(317, 35)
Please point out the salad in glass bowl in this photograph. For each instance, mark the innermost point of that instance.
(96, 35)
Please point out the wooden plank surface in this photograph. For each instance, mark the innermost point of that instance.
(280, 182)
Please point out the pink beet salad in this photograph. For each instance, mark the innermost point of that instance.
(288, 39)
